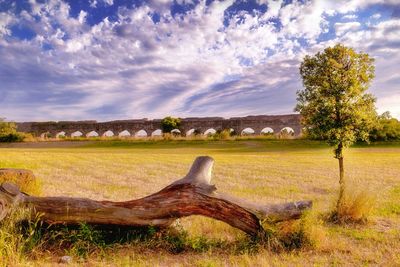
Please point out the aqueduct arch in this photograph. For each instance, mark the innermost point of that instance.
(258, 123)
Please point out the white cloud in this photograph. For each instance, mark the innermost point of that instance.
(82, 17)
(188, 65)
(93, 3)
(376, 16)
(273, 8)
(109, 2)
(5, 21)
(342, 28)
(350, 16)
(303, 20)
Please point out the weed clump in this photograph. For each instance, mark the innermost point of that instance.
(16, 238)
(355, 208)
(304, 233)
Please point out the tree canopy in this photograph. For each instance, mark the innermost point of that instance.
(170, 123)
(334, 103)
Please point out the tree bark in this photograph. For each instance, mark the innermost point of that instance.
(192, 195)
(342, 184)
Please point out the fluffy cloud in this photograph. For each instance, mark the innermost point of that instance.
(350, 16)
(147, 62)
(342, 28)
(5, 20)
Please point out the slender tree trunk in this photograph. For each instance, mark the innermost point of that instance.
(342, 183)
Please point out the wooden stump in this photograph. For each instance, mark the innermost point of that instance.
(192, 195)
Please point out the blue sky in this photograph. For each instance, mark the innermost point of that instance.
(117, 59)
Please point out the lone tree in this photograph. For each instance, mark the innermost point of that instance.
(334, 104)
(170, 123)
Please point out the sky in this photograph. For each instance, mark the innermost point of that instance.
(119, 59)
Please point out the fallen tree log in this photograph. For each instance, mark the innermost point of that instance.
(192, 195)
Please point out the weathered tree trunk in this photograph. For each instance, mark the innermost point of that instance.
(191, 195)
(342, 183)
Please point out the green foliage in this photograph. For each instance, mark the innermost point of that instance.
(8, 132)
(7, 127)
(170, 123)
(222, 135)
(386, 129)
(12, 137)
(334, 104)
(84, 240)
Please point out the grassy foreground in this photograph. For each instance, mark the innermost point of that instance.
(258, 170)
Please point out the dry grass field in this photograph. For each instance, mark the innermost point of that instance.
(258, 170)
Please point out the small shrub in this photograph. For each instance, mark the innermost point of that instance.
(306, 232)
(355, 207)
(225, 134)
(175, 240)
(12, 137)
(285, 134)
(168, 137)
(8, 132)
(84, 240)
(28, 137)
(251, 245)
(222, 135)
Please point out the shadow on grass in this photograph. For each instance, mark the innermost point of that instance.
(84, 240)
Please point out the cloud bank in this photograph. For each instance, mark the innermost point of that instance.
(103, 60)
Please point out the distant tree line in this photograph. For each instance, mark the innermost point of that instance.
(386, 128)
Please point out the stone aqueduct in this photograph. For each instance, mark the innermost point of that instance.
(259, 124)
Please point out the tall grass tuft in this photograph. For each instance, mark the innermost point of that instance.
(17, 239)
(356, 207)
(304, 233)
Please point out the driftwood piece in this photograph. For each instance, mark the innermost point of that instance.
(192, 195)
